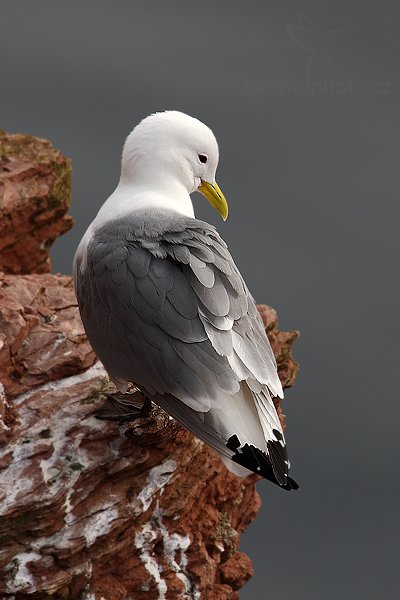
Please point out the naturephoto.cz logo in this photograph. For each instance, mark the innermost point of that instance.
(318, 48)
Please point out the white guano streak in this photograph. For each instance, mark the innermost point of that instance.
(173, 544)
(21, 578)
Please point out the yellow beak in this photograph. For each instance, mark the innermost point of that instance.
(215, 197)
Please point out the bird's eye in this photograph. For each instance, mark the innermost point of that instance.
(203, 158)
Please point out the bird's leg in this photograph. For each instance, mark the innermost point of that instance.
(125, 409)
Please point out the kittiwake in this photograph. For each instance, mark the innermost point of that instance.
(165, 307)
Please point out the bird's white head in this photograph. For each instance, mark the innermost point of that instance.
(173, 147)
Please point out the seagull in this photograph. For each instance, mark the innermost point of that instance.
(165, 307)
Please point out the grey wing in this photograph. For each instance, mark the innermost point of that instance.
(178, 314)
(141, 316)
(172, 314)
(229, 314)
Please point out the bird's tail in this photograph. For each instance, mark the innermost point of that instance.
(243, 428)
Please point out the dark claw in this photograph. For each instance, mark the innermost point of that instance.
(124, 411)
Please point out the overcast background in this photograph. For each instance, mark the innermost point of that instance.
(304, 100)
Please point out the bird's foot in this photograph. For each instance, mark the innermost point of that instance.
(125, 408)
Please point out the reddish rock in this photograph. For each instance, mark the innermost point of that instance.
(41, 331)
(236, 571)
(35, 187)
(89, 510)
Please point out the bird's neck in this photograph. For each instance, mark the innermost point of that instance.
(132, 196)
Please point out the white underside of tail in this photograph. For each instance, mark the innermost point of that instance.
(249, 415)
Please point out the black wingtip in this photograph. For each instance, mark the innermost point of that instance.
(293, 483)
(256, 460)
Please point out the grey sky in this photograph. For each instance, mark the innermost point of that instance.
(304, 100)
